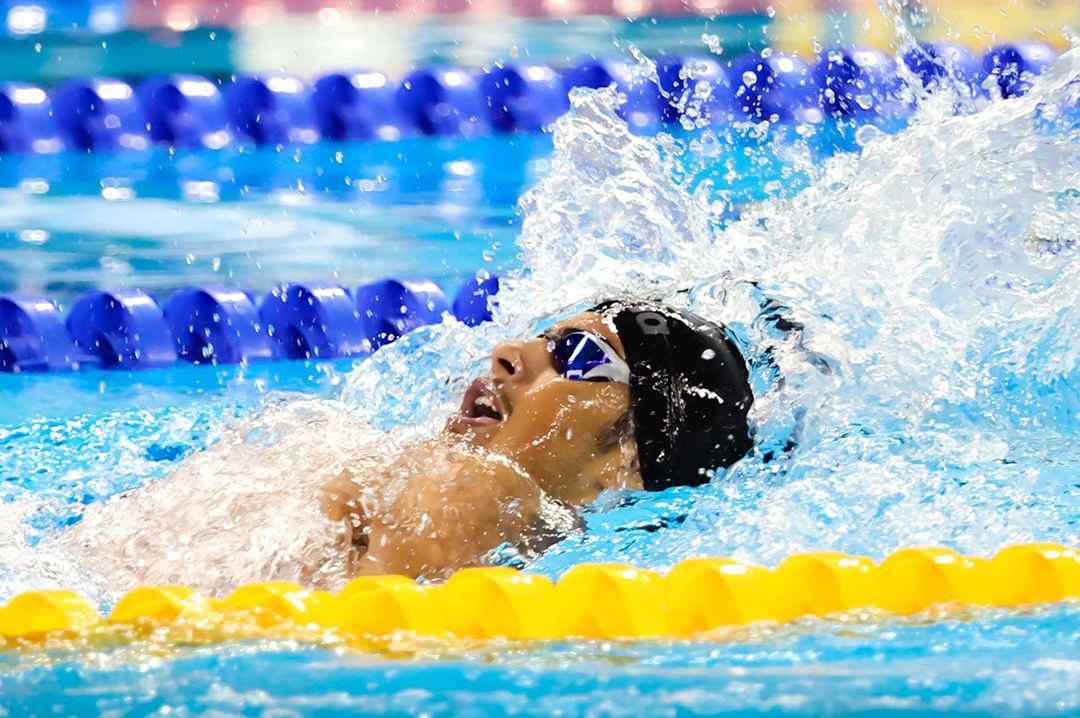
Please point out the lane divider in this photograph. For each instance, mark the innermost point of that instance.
(127, 329)
(188, 111)
(592, 601)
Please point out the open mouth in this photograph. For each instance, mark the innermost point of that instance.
(482, 406)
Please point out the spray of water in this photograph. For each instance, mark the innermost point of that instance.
(924, 390)
(911, 320)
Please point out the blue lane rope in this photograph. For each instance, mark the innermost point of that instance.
(127, 329)
(187, 111)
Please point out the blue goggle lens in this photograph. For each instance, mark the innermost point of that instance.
(577, 354)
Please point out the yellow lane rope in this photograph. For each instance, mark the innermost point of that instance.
(590, 601)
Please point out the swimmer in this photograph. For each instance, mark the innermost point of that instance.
(628, 395)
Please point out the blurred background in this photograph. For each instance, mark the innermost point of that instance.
(51, 40)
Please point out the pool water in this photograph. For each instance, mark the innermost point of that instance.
(441, 208)
(362, 211)
(928, 397)
(1026, 666)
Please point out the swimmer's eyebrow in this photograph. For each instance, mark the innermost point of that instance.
(554, 336)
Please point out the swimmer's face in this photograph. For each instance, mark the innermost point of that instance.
(569, 435)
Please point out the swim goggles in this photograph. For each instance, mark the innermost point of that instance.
(582, 356)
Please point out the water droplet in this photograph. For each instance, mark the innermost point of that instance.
(866, 134)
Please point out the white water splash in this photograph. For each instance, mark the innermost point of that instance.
(933, 389)
(248, 509)
(931, 392)
(930, 395)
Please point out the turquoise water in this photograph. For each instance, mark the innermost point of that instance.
(361, 211)
(929, 398)
(441, 208)
(1026, 666)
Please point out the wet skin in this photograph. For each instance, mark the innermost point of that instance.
(559, 431)
(522, 431)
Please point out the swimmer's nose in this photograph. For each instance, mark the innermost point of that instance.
(508, 362)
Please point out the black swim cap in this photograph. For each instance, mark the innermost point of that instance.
(689, 392)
